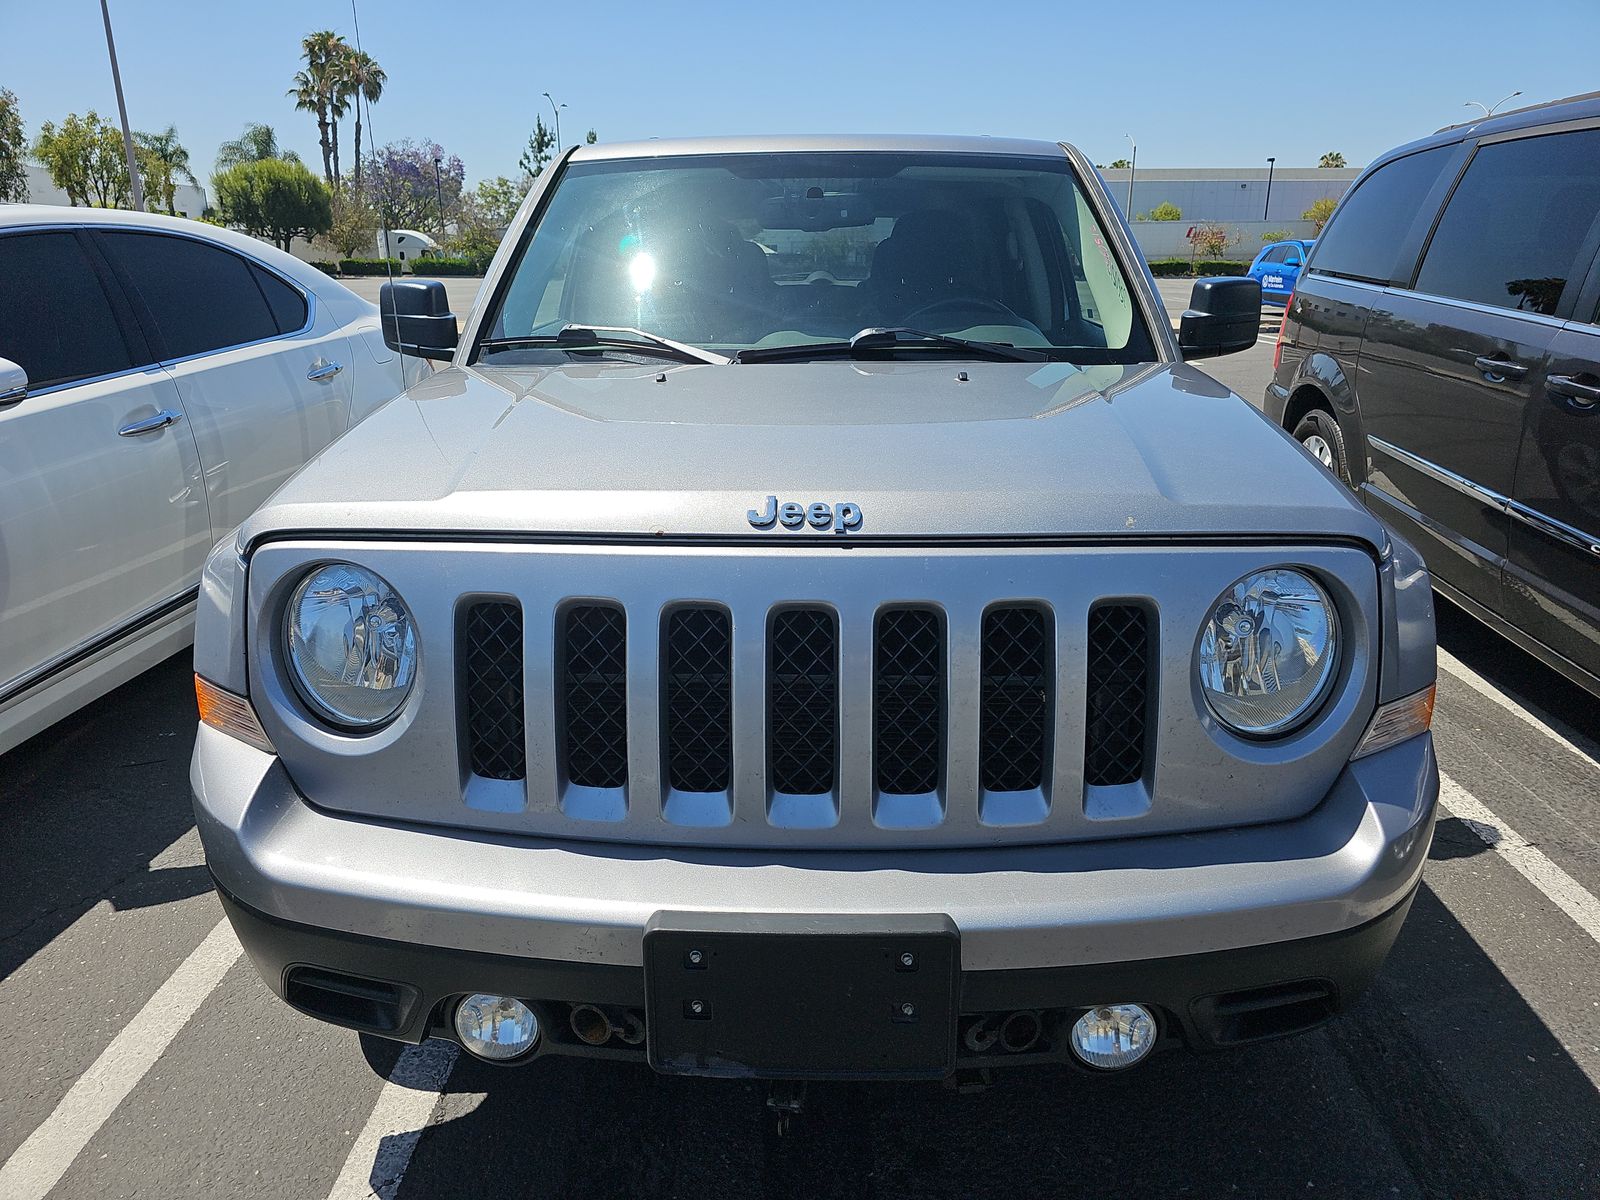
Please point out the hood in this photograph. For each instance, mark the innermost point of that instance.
(921, 449)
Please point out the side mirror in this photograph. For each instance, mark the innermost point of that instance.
(417, 318)
(1224, 317)
(13, 382)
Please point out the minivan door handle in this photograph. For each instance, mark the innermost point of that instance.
(323, 369)
(150, 424)
(1574, 392)
(1498, 370)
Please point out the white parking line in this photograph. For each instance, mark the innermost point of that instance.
(40, 1162)
(382, 1151)
(1561, 889)
(1569, 740)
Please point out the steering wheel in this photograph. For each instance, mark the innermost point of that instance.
(965, 304)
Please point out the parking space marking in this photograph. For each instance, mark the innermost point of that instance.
(40, 1162)
(1561, 889)
(377, 1162)
(1452, 664)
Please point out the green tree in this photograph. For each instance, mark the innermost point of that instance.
(1331, 159)
(1166, 211)
(13, 148)
(591, 138)
(163, 161)
(86, 160)
(499, 198)
(1319, 212)
(1277, 235)
(364, 79)
(355, 226)
(1210, 240)
(256, 143)
(1120, 164)
(274, 200)
(537, 155)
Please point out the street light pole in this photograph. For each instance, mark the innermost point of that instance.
(1133, 165)
(556, 109)
(135, 185)
(1488, 110)
(1270, 162)
(438, 196)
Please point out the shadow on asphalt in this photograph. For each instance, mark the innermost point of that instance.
(85, 806)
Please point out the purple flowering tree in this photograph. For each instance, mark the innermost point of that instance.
(401, 189)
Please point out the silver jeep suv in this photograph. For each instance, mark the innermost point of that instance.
(817, 626)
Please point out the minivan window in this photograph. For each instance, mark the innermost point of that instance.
(1363, 239)
(56, 322)
(1510, 234)
(734, 251)
(202, 297)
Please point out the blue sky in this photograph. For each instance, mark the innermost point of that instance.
(1226, 88)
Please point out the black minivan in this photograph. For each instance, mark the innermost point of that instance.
(1441, 353)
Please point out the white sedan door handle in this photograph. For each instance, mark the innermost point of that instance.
(150, 424)
(323, 369)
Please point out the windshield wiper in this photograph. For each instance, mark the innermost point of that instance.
(879, 338)
(577, 337)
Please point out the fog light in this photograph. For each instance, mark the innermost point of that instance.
(1114, 1035)
(496, 1027)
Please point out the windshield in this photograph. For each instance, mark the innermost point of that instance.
(730, 252)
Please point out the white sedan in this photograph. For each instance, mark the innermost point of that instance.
(159, 378)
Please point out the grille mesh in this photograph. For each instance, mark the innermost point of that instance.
(595, 696)
(496, 747)
(1118, 694)
(803, 701)
(908, 688)
(699, 700)
(1015, 715)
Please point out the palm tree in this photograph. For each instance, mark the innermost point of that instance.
(165, 161)
(1332, 159)
(256, 143)
(366, 79)
(313, 88)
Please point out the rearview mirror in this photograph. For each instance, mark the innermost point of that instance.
(1224, 317)
(417, 318)
(13, 382)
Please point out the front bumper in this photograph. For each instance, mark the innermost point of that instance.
(1177, 919)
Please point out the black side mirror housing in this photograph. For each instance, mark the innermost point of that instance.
(417, 318)
(1223, 317)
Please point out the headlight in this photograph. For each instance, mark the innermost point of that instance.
(1268, 651)
(352, 646)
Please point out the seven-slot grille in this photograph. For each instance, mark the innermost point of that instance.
(1016, 697)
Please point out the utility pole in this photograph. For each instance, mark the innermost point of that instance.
(136, 187)
(1133, 164)
(556, 109)
(438, 196)
(1268, 204)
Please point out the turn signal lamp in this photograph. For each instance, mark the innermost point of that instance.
(232, 714)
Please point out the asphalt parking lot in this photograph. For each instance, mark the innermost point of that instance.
(141, 1056)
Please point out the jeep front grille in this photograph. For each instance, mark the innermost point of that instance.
(594, 695)
(1118, 692)
(1015, 699)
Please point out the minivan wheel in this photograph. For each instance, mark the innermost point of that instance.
(1319, 433)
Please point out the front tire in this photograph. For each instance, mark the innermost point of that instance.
(1320, 434)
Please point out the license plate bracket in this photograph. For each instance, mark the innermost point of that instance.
(788, 996)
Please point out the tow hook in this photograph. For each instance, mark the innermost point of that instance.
(786, 1100)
